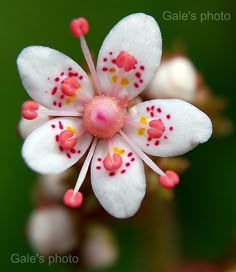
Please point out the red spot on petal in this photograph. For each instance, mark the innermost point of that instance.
(62, 74)
(57, 79)
(69, 68)
(111, 174)
(105, 59)
(158, 110)
(59, 105)
(54, 103)
(152, 107)
(73, 150)
(53, 126)
(156, 142)
(142, 67)
(130, 154)
(114, 61)
(168, 116)
(147, 108)
(78, 151)
(152, 114)
(61, 148)
(54, 90)
(68, 155)
(171, 128)
(133, 159)
(138, 75)
(81, 77)
(136, 85)
(98, 167)
(104, 69)
(60, 125)
(99, 159)
(110, 53)
(127, 164)
(141, 81)
(149, 138)
(123, 171)
(57, 138)
(165, 137)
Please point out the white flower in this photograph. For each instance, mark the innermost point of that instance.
(175, 78)
(51, 230)
(127, 62)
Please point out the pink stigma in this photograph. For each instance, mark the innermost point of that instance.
(112, 163)
(169, 180)
(157, 128)
(79, 27)
(103, 116)
(66, 141)
(125, 61)
(29, 110)
(73, 199)
(69, 85)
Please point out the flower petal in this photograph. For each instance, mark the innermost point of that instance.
(26, 126)
(121, 191)
(43, 152)
(167, 127)
(139, 36)
(43, 71)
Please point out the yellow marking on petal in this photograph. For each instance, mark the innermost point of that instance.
(114, 78)
(117, 150)
(71, 129)
(141, 131)
(78, 87)
(124, 81)
(112, 70)
(68, 100)
(143, 120)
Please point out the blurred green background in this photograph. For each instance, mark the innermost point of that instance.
(205, 199)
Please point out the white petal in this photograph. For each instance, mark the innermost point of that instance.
(120, 192)
(42, 151)
(27, 126)
(175, 78)
(185, 126)
(138, 35)
(42, 71)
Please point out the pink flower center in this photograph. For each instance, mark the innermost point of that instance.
(103, 116)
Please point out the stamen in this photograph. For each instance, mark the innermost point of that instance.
(85, 166)
(125, 61)
(79, 27)
(29, 110)
(112, 163)
(141, 154)
(169, 180)
(73, 200)
(157, 128)
(66, 141)
(69, 86)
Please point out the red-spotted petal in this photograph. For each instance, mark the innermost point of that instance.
(134, 43)
(49, 76)
(43, 151)
(121, 190)
(167, 127)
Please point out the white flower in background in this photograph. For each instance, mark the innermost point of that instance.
(175, 78)
(127, 61)
(51, 230)
(100, 248)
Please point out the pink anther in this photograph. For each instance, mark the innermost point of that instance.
(69, 86)
(72, 199)
(125, 61)
(112, 163)
(66, 141)
(169, 180)
(29, 110)
(157, 128)
(79, 27)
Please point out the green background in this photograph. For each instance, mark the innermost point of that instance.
(205, 198)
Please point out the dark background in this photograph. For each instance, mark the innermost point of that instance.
(206, 196)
